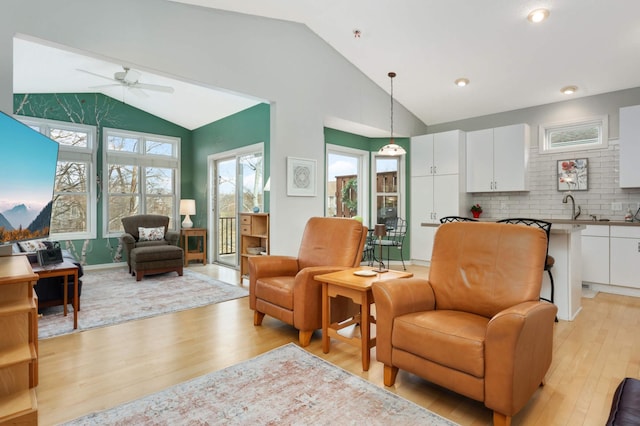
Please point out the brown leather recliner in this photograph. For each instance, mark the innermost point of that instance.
(476, 326)
(283, 286)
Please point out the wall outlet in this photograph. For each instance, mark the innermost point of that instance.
(616, 207)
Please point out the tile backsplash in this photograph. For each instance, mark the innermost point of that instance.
(543, 200)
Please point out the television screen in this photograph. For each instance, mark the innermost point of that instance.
(27, 177)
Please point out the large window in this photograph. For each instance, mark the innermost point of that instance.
(141, 174)
(73, 215)
(346, 182)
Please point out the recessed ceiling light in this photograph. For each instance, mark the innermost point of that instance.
(569, 90)
(538, 15)
(461, 82)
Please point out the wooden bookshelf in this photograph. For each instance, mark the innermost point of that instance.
(254, 232)
(19, 343)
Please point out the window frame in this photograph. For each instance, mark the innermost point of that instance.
(400, 185)
(362, 173)
(142, 160)
(66, 153)
(599, 121)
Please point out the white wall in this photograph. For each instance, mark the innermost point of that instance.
(305, 79)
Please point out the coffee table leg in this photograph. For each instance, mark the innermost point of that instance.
(365, 331)
(325, 318)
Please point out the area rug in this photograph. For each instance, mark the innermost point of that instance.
(286, 386)
(113, 296)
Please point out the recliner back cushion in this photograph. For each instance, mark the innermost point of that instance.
(484, 268)
(331, 241)
(132, 223)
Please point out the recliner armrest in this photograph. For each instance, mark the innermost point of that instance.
(518, 349)
(394, 298)
(128, 239)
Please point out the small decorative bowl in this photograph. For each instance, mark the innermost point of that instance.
(255, 250)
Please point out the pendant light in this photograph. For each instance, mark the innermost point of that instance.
(392, 148)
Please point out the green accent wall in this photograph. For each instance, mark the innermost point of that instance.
(244, 128)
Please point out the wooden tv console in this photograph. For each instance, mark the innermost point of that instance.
(19, 342)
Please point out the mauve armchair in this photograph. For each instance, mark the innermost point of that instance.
(284, 287)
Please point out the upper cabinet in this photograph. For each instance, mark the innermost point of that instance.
(437, 154)
(629, 146)
(497, 159)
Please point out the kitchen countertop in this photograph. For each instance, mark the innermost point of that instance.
(564, 222)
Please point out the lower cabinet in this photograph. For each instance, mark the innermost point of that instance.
(595, 254)
(624, 256)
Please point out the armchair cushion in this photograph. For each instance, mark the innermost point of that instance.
(151, 234)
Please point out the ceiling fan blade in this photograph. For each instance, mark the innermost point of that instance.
(94, 74)
(136, 90)
(156, 87)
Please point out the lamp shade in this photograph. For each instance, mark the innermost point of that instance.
(187, 207)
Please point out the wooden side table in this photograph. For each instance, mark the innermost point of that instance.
(357, 288)
(65, 270)
(200, 253)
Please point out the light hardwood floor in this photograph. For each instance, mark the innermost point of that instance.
(97, 369)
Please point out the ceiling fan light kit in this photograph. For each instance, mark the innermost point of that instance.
(128, 78)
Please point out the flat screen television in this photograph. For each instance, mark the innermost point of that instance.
(27, 178)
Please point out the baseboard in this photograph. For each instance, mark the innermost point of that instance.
(614, 289)
(103, 266)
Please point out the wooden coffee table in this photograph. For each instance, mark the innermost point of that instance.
(357, 288)
(64, 269)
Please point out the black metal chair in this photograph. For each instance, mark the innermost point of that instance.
(546, 227)
(396, 231)
(448, 219)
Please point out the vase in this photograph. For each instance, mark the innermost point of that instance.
(476, 214)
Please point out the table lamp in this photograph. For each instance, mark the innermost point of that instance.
(187, 207)
(380, 231)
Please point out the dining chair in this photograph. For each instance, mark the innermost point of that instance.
(448, 219)
(396, 231)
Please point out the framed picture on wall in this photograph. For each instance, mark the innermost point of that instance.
(572, 175)
(301, 177)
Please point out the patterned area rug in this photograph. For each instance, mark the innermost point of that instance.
(113, 296)
(285, 386)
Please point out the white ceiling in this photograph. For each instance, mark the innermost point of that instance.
(45, 69)
(510, 62)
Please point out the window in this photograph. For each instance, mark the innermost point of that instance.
(346, 182)
(73, 215)
(575, 135)
(142, 177)
(388, 190)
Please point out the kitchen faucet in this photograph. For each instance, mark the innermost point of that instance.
(566, 198)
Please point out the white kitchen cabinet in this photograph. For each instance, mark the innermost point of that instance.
(438, 153)
(595, 254)
(629, 147)
(437, 186)
(624, 256)
(497, 159)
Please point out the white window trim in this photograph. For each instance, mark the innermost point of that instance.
(363, 172)
(402, 176)
(71, 153)
(142, 160)
(599, 120)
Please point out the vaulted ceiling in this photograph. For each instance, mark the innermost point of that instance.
(510, 62)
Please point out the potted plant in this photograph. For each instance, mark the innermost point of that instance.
(476, 209)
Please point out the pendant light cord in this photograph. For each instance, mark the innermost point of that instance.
(391, 75)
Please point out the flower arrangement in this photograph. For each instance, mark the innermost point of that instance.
(476, 208)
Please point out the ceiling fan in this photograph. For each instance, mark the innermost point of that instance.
(128, 78)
